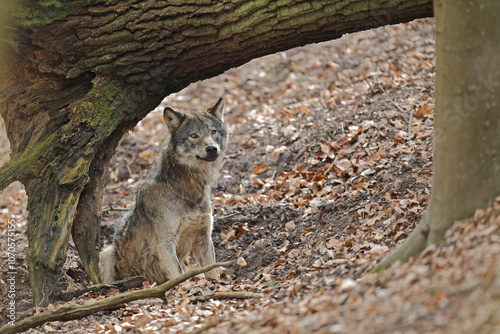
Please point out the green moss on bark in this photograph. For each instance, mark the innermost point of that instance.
(40, 12)
(97, 112)
(100, 108)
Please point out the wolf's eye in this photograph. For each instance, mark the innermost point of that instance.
(214, 132)
(193, 135)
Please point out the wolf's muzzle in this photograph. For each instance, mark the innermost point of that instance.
(212, 153)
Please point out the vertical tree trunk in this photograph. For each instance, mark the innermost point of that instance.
(467, 119)
(62, 164)
(86, 224)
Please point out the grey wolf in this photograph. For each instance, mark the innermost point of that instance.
(172, 216)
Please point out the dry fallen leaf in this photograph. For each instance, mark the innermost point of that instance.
(290, 226)
(260, 169)
(241, 262)
(112, 292)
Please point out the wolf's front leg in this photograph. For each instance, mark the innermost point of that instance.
(204, 252)
(107, 264)
(169, 263)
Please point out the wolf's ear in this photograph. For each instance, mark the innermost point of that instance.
(173, 119)
(217, 110)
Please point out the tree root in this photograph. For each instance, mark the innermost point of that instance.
(413, 245)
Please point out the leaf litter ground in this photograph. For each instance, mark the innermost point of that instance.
(328, 168)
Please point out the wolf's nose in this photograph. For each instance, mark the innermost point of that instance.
(211, 150)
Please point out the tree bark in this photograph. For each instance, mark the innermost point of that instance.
(467, 120)
(83, 73)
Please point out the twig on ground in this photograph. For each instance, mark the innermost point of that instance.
(227, 295)
(110, 208)
(123, 285)
(71, 312)
(227, 216)
(395, 104)
(207, 296)
(389, 97)
(323, 100)
(328, 169)
(409, 124)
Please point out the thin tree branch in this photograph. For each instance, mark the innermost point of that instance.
(123, 285)
(71, 312)
(389, 97)
(409, 122)
(322, 98)
(396, 105)
(207, 296)
(226, 295)
(110, 208)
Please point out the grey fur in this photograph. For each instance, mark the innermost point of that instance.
(172, 216)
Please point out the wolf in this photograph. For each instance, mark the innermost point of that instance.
(172, 216)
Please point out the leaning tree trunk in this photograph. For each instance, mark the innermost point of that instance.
(466, 122)
(83, 73)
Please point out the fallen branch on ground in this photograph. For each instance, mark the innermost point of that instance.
(100, 289)
(207, 296)
(72, 312)
(227, 295)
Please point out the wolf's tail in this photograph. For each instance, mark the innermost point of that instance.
(107, 264)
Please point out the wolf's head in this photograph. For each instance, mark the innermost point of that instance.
(197, 138)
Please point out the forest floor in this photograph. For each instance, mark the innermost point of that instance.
(328, 169)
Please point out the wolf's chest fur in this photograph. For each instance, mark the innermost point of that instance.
(174, 200)
(172, 216)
